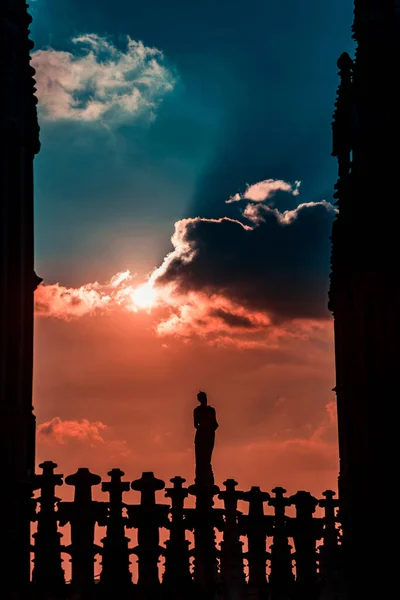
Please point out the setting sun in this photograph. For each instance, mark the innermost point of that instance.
(144, 296)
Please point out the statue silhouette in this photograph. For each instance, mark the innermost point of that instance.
(205, 422)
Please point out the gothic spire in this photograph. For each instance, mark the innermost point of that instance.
(18, 112)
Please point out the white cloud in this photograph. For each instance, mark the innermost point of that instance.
(256, 212)
(262, 190)
(100, 81)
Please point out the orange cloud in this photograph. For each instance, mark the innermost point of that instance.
(61, 432)
(198, 314)
(219, 321)
(214, 318)
(58, 432)
(55, 300)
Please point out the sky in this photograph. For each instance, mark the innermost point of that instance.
(183, 206)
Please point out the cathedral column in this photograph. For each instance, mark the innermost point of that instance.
(365, 292)
(19, 141)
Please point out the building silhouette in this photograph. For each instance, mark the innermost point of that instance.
(365, 291)
(364, 300)
(19, 141)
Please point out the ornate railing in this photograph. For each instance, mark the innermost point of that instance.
(233, 556)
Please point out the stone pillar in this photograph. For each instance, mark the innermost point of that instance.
(231, 556)
(48, 575)
(330, 553)
(306, 530)
(83, 514)
(203, 520)
(281, 577)
(257, 526)
(177, 579)
(115, 576)
(147, 518)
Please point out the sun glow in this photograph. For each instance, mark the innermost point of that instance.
(144, 296)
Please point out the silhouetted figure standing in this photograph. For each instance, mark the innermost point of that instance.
(205, 422)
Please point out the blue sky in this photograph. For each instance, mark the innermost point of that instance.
(254, 86)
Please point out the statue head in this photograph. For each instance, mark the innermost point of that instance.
(202, 398)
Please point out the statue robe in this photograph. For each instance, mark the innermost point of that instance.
(205, 422)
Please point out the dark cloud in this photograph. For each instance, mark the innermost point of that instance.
(280, 266)
(233, 320)
(47, 429)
